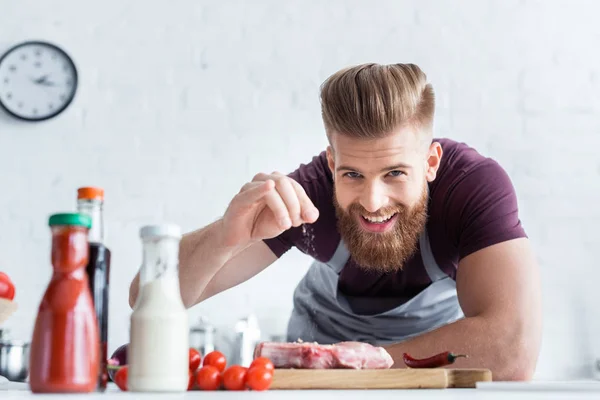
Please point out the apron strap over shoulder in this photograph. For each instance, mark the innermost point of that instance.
(340, 258)
(433, 270)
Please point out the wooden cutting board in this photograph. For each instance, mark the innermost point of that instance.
(401, 378)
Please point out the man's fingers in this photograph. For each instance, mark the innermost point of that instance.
(280, 211)
(289, 203)
(253, 191)
(290, 197)
(261, 177)
(309, 213)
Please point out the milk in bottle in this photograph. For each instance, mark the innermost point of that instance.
(158, 349)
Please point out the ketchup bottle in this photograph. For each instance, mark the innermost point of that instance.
(64, 352)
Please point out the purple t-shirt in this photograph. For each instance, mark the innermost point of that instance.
(472, 205)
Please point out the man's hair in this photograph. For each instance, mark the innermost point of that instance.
(371, 100)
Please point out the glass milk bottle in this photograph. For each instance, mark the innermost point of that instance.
(159, 335)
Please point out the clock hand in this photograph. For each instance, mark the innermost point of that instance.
(43, 81)
(40, 79)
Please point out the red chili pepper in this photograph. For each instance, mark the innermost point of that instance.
(435, 361)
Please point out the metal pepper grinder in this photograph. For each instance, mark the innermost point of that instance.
(247, 336)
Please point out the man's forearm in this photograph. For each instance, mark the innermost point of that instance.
(501, 347)
(201, 255)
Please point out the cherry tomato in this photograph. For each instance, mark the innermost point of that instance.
(263, 362)
(216, 359)
(194, 359)
(208, 378)
(259, 378)
(191, 380)
(234, 378)
(7, 287)
(121, 378)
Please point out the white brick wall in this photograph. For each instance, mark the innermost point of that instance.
(181, 102)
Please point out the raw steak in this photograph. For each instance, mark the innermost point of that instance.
(354, 355)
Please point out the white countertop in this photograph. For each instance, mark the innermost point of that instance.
(488, 391)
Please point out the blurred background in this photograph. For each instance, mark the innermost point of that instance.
(180, 103)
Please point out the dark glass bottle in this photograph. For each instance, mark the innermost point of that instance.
(90, 201)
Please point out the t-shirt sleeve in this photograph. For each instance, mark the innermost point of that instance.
(482, 209)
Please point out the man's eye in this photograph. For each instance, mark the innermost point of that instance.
(352, 174)
(396, 173)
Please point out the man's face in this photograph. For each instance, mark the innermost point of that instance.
(381, 195)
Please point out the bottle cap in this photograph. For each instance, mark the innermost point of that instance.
(90, 193)
(163, 230)
(74, 219)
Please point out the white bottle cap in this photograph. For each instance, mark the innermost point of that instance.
(163, 230)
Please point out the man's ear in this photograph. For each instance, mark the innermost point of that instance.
(330, 161)
(434, 157)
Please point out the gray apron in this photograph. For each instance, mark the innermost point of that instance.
(322, 314)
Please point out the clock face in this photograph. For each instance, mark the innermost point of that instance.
(37, 81)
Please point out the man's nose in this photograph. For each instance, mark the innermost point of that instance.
(373, 198)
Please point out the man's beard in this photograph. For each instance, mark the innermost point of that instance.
(388, 251)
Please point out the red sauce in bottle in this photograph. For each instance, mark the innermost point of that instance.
(64, 354)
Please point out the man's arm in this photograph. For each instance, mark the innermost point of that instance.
(207, 267)
(231, 250)
(239, 269)
(499, 291)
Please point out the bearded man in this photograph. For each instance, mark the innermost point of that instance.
(417, 242)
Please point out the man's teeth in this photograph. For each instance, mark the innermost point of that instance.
(378, 219)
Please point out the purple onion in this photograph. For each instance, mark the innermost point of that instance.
(119, 357)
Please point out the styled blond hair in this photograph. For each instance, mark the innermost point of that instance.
(371, 100)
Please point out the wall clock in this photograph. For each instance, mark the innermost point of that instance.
(38, 81)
